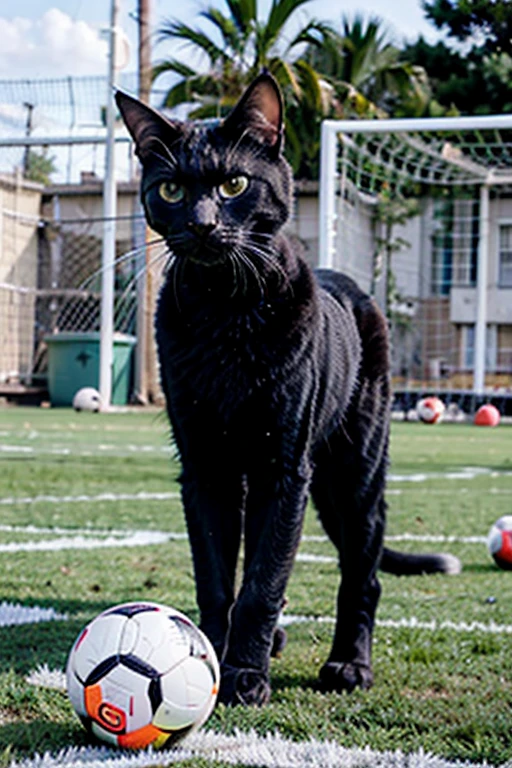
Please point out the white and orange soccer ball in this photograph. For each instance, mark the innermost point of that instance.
(430, 410)
(499, 542)
(142, 674)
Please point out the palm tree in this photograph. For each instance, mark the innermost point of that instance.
(237, 46)
(366, 71)
(246, 45)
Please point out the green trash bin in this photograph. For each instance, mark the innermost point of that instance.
(74, 362)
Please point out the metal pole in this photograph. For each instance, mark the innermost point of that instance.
(109, 227)
(28, 131)
(327, 196)
(481, 293)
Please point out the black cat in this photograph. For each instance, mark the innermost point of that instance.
(277, 387)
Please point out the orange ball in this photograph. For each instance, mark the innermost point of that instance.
(487, 416)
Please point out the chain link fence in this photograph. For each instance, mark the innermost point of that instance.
(52, 157)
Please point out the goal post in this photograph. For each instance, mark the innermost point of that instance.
(419, 213)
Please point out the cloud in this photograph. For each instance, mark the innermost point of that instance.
(53, 46)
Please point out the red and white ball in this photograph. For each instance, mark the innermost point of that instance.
(430, 410)
(142, 674)
(499, 542)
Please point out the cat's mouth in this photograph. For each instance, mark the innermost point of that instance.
(201, 253)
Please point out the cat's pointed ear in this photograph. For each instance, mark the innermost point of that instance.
(259, 112)
(147, 127)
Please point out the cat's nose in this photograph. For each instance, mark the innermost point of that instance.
(202, 217)
(201, 228)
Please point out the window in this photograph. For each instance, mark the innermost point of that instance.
(505, 256)
(454, 244)
(468, 347)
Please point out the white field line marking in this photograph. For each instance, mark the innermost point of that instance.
(425, 537)
(271, 751)
(97, 538)
(445, 491)
(412, 623)
(113, 450)
(90, 538)
(12, 614)
(437, 539)
(87, 499)
(88, 531)
(56, 678)
(464, 473)
(305, 557)
(137, 539)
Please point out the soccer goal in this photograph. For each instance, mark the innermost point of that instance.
(419, 213)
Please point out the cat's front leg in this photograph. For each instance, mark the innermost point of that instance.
(272, 533)
(213, 503)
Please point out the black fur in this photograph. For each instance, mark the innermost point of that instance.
(277, 387)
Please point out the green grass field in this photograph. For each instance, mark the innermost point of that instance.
(442, 653)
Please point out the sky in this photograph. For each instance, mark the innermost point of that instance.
(56, 38)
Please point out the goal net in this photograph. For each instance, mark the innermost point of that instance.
(419, 213)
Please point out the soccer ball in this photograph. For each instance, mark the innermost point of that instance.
(141, 674)
(87, 399)
(430, 410)
(499, 542)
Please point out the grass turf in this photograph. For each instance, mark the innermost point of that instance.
(446, 691)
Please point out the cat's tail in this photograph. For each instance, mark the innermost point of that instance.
(402, 564)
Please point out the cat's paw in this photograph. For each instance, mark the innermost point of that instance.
(249, 687)
(278, 642)
(345, 676)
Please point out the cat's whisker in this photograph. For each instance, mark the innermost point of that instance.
(170, 160)
(126, 298)
(88, 282)
(77, 312)
(270, 259)
(145, 268)
(238, 274)
(176, 268)
(249, 269)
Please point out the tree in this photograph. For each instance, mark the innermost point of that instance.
(368, 73)
(39, 167)
(236, 47)
(488, 20)
(390, 211)
(479, 80)
(353, 72)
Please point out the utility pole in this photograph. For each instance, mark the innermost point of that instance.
(144, 16)
(109, 224)
(28, 131)
(145, 358)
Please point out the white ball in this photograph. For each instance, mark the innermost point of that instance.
(430, 410)
(499, 542)
(87, 399)
(141, 674)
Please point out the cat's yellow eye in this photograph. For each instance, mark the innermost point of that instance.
(234, 187)
(171, 192)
